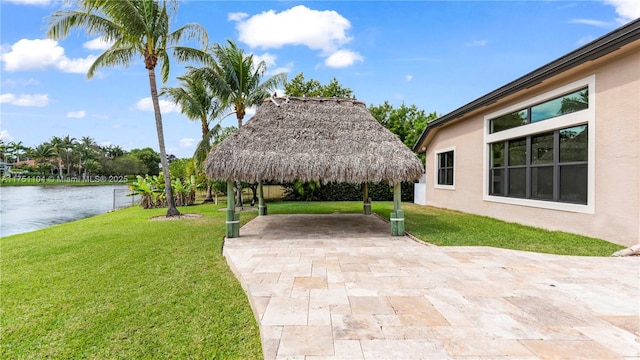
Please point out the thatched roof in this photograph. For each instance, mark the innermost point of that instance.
(326, 139)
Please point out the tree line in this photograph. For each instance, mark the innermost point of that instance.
(82, 158)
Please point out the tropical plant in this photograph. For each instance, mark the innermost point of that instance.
(185, 191)
(238, 81)
(312, 88)
(42, 154)
(65, 149)
(134, 28)
(198, 103)
(15, 150)
(91, 166)
(112, 151)
(56, 144)
(147, 188)
(152, 195)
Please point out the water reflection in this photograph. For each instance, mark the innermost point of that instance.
(28, 208)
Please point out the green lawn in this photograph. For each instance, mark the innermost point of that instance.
(120, 286)
(453, 228)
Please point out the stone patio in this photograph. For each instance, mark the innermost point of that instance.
(340, 287)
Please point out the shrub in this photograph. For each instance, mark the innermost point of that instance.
(300, 191)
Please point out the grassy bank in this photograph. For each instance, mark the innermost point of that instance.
(120, 286)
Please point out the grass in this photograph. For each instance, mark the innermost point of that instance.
(120, 286)
(453, 228)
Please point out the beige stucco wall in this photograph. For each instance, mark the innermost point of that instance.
(617, 158)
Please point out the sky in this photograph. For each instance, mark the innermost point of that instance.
(438, 55)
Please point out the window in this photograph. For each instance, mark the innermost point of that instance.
(550, 166)
(444, 169)
(562, 105)
(540, 152)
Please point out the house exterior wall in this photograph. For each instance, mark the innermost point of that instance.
(615, 215)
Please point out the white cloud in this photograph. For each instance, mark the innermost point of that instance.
(146, 104)
(40, 54)
(269, 59)
(249, 112)
(627, 9)
(77, 114)
(318, 30)
(5, 136)
(280, 70)
(477, 43)
(598, 23)
(325, 31)
(97, 44)
(343, 58)
(37, 54)
(408, 78)
(38, 100)
(187, 142)
(76, 66)
(237, 16)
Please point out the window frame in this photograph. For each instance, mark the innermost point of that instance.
(582, 117)
(436, 168)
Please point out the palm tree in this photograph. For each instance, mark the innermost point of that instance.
(66, 148)
(112, 151)
(135, 28)
(237, 80)
(91, 167)
(42, 153)
(17, 149)
(56, 145)
(198, 102)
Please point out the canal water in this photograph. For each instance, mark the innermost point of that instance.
(28, 208)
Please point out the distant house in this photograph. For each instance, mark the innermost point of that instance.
(557, 148)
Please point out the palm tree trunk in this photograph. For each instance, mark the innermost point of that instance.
(209, 196)
(171, 207)
(205, 131)
(238, 183)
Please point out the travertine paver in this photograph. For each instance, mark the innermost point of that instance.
(339, 287)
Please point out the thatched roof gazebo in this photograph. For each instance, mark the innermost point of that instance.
(314, 139)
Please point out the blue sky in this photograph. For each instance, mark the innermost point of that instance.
(436, 55)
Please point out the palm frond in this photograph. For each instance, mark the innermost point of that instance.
(114, 56)
(188, 32)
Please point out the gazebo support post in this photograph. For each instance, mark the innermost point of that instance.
(233, 219)
(262, 207)
(397, 215)
(365, 199)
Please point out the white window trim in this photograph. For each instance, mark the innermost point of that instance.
(435, 169)
(585, 116)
